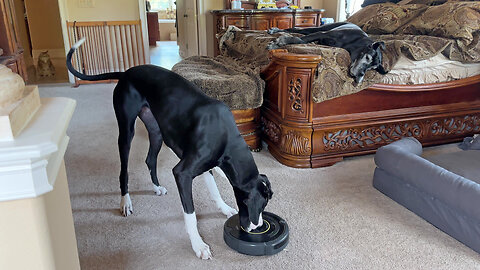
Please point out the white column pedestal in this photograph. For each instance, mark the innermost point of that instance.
(36, 223)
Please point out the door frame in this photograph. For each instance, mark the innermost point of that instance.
(182, 22)
(142, 7)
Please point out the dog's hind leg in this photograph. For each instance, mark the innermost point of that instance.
(155, 138)
(127, 107)
(215, 195)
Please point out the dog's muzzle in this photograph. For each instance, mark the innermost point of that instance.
(355, 72)
(252, 226)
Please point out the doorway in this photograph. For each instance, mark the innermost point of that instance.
(41, 38)
(188, 14)
(162, 32)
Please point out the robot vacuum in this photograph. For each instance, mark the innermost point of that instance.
(269, 239)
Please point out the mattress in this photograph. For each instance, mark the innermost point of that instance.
(433, 70)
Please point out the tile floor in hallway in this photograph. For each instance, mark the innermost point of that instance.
(165, 54)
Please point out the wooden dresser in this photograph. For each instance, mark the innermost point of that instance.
(153, 28)
(263, 19)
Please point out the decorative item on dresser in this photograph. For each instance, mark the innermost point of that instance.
(264, 19)
(252, 4)
(12, 55)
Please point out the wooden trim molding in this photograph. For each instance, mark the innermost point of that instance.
(426, 87)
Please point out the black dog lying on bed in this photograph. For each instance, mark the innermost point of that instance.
(200, 130)
(365, 54)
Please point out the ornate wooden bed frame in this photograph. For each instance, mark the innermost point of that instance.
(301, 133)
(248, 123)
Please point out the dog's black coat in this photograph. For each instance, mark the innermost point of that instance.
(200, 130)
(372, 2)
(343, 35)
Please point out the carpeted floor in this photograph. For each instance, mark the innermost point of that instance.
(337, 219)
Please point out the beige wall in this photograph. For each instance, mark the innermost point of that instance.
(103, 10)
(331, 8)
(317, 4)
(44, 24)
(166, 29)
(38, 233)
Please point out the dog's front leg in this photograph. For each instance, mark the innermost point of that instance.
(215, 195)
(201, 249)
(184, 185)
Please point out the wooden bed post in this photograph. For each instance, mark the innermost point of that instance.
(287, 112)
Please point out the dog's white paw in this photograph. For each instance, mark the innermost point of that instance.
(201, 249)
(159, 190)
(126, 206)
(228, 211)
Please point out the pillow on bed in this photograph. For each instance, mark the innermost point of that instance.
(458, 20)
(385, 18)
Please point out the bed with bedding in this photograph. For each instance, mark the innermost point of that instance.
(313, 114)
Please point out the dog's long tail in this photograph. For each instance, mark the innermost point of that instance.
(99, 77)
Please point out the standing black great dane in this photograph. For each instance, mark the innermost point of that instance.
(200, 130)
(365, 54)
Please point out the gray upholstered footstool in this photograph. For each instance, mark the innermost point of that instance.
(443, 190)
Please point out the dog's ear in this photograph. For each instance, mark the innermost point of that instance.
(265, 186)
(379, 44)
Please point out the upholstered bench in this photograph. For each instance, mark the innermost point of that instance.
(237, 86)
(443, 189)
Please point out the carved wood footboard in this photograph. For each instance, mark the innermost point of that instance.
(301, 133)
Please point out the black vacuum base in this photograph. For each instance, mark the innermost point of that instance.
(269, 239)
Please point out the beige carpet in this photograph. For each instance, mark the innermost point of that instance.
(337, 219)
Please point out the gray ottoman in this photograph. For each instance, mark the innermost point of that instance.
(444, 190)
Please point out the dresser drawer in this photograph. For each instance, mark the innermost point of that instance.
(238, 21)
(282, 21)
(306, 20)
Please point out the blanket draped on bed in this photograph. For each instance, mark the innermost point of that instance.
(244, 53)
